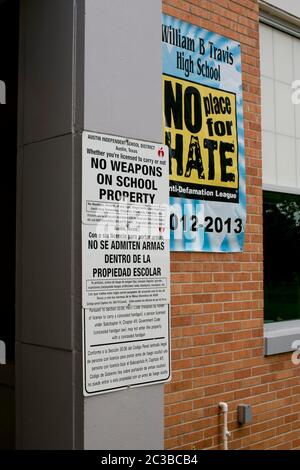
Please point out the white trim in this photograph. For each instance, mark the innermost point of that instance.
(280, 189)
(279, 19)
(279, 336)
(279, 24)
(2, 92)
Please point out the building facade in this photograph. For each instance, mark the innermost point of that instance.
(220, 344)
(90, 65)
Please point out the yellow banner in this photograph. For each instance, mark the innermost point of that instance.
(201, 132)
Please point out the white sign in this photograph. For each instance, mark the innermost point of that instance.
(125, 263)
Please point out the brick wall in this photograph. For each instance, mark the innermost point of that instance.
(217, 299)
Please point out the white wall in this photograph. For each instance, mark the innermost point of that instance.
(123, 96)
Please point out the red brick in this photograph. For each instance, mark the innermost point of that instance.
(217, 314)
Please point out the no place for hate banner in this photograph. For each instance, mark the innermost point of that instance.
(203, 128)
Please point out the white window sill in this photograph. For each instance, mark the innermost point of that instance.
(280, 336)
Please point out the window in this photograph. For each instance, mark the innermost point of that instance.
(281, 174)
(280, 67)
(282, 256)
